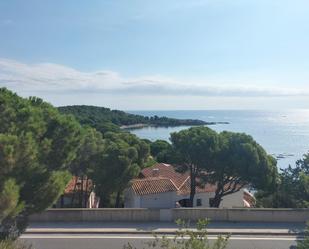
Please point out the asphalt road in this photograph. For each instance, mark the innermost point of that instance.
(95, 241)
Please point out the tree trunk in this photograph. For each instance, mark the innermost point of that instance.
(81, 192)
(192, 186)
(86, 193)
(117, 203)
(216, 201)
(74, 192)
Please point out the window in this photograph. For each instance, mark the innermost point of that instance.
(198, 202)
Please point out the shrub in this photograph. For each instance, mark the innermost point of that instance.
(10, 244)
(304, 244)
(186, 238)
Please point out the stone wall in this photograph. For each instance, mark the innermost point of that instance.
(193, 214)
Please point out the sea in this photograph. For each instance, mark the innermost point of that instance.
(283, 134)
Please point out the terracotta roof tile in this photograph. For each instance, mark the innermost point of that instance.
(185, 188)
(165, 171)
(153, 185)
(162, 178)
(249, 198)
(70, 188)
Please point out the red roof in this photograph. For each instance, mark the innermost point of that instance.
(166, 171)
(249, 198)
(185, 188)
(153, 186)
(162, 178)
(73, 187)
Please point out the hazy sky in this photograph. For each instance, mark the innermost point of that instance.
(175, 54)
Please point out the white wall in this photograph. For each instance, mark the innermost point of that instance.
(204, 197)
(233, 200)
(229, 201)
(131, 200)
(168, 200)
(161, 200)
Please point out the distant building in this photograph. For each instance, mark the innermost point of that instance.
(161, 186)
(78, 193)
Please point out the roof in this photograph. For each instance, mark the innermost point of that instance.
(162, 178)
(166, 171)
(185, 188)
(153, 186)
(75, 185)
(249, 199)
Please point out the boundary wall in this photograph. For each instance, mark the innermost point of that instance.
(152, 215)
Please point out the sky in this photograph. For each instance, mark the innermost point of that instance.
(157, 55)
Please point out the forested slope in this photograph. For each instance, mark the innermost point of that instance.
(93, 115)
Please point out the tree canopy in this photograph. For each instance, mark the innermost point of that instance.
(91, 145)
(194, 150)
(240, 162)
(122, 159)
(105, 119)
(228, 160)
(160, 150)
(291, 190)
(37, 145)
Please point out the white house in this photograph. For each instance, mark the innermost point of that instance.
(161, 186)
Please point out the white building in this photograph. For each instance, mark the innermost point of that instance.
(161, 186)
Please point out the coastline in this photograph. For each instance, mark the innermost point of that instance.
(284, 134)
(143, 125)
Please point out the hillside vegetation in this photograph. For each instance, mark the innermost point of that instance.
(41, 149)
(94, 116)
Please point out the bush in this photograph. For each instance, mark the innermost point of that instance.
(10, 244)
(304, 244)
(186, 238)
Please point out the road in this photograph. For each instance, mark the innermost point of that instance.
(117, 241)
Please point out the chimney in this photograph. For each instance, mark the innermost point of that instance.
(155, 172)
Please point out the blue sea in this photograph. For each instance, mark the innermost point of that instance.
(284, 134)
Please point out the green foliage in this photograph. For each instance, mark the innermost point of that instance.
(93, 115)
(37, 145)
(49, 193)
(10, 244)
(161, 150)
(292, 189)
(186, 238)
(240, 162)
(304, 244)
(9, 199)
(104, 119)
(158, 146)
(194, 150)
(123, 157)
(229, 160)
(90, 146)
(85, 161)
(106, 127)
